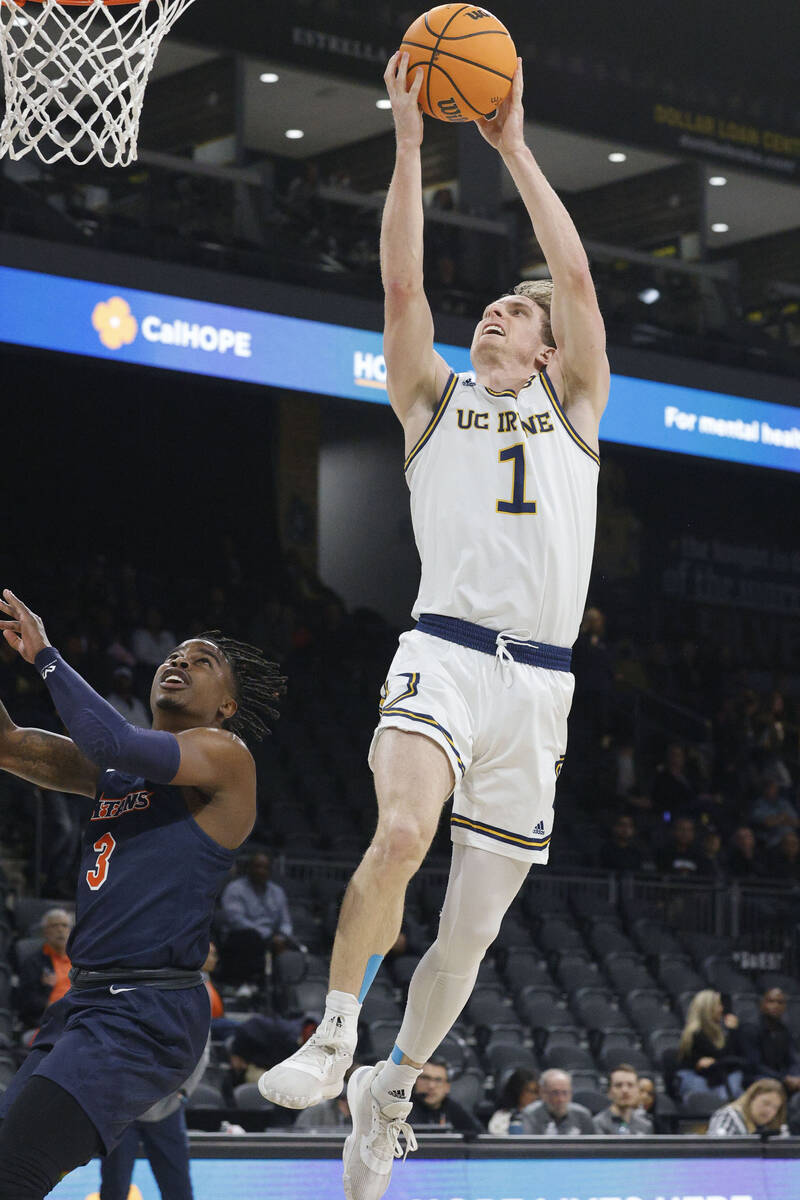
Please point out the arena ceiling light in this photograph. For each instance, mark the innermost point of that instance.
(294, 134)
(269, 77)
(384, 103)
(720, 227)
(718, 180)
(617, 156)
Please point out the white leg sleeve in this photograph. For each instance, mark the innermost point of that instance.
(479, 891)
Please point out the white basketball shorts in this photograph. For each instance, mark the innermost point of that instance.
(503, 726)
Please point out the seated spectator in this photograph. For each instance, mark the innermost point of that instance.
(254, 913)
(620, 852)
(433, 1104)
(783, 863)
(681, 854)
(708, 1056)
(743, 860)
(519, 1090)
(555, 1115)
(773, 812)
(261, 1042)
(761, 1109)
(151, 642)
(649, 1105)
(330, 1114)
(672, 791)
(44, 976)
(769, 1048)
(623, 1115)
(121, 698)
(710, 863)
(221, 1026)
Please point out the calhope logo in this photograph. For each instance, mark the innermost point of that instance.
(115, 323)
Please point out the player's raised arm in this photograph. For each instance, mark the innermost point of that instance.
(578, 328)
(45, 759)
(416, 375)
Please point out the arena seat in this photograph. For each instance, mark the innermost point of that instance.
(592, 1099)
(569, 1058)
(503, 1056)
(205, 1095)
(467, 1089)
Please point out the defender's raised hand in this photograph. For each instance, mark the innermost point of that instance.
(405, 107)
(22, 629)
(506, 132)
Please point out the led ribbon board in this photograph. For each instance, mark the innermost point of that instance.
(125, 325)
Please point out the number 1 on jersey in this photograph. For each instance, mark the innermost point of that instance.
(517, 503)
(104, 847)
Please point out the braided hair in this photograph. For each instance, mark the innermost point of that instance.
(257, 682)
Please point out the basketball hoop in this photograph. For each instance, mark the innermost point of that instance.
(75, 74)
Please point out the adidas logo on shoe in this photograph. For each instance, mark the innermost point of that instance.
(400, 1094)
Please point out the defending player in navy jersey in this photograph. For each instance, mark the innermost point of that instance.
(502, 471)
(172, 804)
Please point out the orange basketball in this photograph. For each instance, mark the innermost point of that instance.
(469, 61)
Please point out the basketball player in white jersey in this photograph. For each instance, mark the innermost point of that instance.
(503, 479)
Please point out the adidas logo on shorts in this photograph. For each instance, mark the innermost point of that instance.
(539, 830)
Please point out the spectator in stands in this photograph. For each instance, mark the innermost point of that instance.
(743, 861)
(773, 812)
(593, 667)
(44, 975)
(433, 1104)
(672, 791)
(681, 854)
(255, 917)
(784, 862)
(649, 1105)
(329, 1115)
(761, 1109)
(555, 1114)
(623, 1115)
(121, 698)
(520, 1089)
(711, 863)
(151, 642)
(261, 1042)
(708, 1052)
(620, 852)
(769, 1048)
(221, 1026)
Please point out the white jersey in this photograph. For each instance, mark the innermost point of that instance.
(503, 503)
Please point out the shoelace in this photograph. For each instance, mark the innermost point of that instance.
(503, 656)
(394, 1131)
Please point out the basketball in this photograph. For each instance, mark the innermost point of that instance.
(469, 61)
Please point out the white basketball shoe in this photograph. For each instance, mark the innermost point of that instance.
(374, 1144)
(316, 1071)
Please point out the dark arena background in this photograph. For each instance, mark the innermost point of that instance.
(197, 435)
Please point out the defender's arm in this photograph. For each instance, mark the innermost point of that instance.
(45, 759)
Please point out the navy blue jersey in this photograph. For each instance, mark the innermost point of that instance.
(148, 879)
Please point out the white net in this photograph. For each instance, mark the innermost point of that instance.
(75, 75)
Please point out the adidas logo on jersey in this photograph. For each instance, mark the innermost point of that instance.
(539, 830)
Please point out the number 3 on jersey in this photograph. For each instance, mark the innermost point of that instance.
(517, 503)
(104, 847)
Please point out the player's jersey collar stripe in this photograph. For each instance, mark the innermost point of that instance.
(499, 835)
(509, 391)
(435, 419)
(564, 419)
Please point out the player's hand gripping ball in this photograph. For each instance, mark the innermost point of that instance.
(468, 58)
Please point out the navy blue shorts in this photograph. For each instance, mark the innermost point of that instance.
(119, 1052)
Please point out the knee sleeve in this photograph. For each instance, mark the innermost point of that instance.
(45, 1135)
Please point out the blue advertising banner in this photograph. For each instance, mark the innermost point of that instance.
(460, 1179)
(129, 326)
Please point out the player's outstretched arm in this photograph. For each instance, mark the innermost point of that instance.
(578, 328)
(415, 374)
(45, 759)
